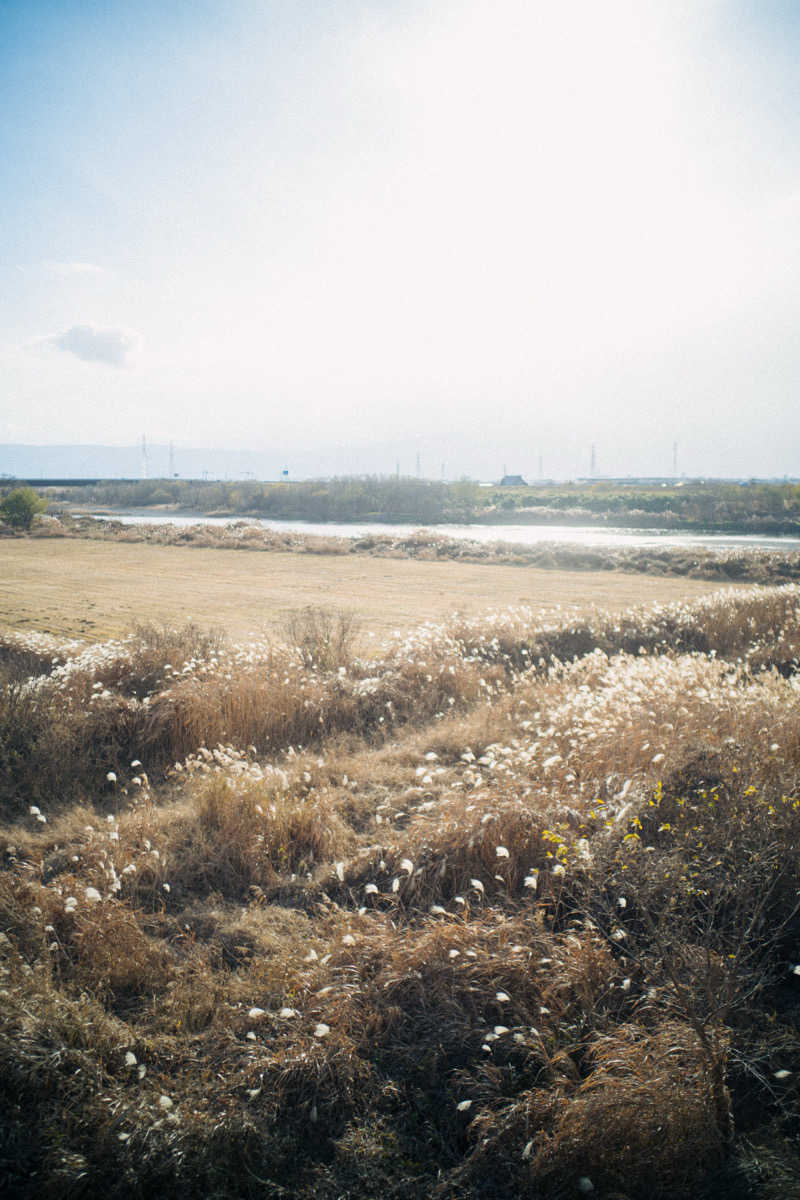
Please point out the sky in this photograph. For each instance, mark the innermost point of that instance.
(497, 230)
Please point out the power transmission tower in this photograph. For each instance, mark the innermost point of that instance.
(144, 457)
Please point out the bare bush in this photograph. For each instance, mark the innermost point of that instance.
(325, 637)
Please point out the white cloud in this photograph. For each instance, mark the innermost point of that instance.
(94, 345)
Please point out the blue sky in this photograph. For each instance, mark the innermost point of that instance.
(520, 226)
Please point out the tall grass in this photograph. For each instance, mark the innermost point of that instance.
(162, 694)
(508, 909)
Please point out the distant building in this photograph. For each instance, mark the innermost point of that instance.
(512, 481)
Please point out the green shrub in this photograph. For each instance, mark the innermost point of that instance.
(20, 507)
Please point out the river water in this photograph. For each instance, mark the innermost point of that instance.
(527, 535)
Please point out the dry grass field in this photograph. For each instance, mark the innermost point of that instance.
(97, 589)
(504, 904)
(508, 909)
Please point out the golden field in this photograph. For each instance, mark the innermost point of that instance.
(100, 589)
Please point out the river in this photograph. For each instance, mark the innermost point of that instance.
(526, 535)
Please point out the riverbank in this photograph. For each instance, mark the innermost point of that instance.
(669, 522)
(696, 506)
(544, 516)
(750, 565)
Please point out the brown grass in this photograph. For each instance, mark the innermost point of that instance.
(100, 589)
(541, 936)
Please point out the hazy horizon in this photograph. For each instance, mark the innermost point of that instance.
(495, 231)
(165, 461)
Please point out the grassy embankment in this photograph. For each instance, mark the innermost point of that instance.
(509, 909)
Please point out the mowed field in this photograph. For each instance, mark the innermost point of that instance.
(97, 589)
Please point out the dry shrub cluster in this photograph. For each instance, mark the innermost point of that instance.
(508, 910)
(324, 637)
(235, 838)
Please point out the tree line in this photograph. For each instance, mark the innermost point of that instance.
(695, 505)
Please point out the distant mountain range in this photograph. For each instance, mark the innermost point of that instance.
(428, 459)
(453, 457)
(126, 462)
